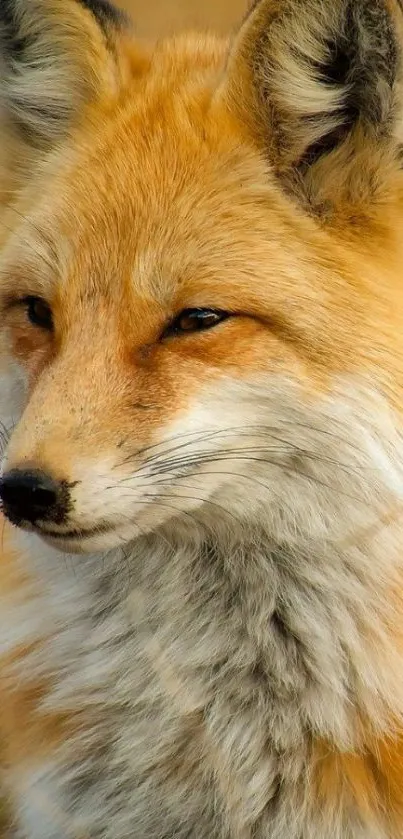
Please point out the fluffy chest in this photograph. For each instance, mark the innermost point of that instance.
(178, 714)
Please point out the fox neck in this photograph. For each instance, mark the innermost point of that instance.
(307, 633)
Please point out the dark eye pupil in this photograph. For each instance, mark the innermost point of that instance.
(197, 320)
(39, 313)
(194, 320)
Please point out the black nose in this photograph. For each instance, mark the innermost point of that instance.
(31, 495)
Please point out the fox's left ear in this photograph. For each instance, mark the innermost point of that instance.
(319, 85)
(55, 55)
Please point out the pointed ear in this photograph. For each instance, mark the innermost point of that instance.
(55, 55)
(318, 82)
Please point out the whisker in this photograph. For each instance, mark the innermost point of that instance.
(216, 504)
(200, 436)
(140, 452)
(206, 455)
(5, 434)
(165, 464)
(285, 468)
(250, 478)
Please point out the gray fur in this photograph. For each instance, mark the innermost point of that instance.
(206, 658)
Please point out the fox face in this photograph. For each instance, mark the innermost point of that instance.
(200, 272)
(201, 375)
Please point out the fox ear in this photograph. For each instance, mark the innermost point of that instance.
(319, 84)
(54, 56)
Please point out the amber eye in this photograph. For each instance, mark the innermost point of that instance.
(196, 320)
(38, 312)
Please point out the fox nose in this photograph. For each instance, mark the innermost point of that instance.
(32, 495)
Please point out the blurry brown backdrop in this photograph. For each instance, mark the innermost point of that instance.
(153, 18)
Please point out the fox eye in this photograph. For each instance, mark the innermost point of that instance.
(39, 312)
(196, 320)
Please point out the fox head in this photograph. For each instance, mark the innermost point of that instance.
(201, 250)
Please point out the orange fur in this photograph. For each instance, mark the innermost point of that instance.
(303, 281)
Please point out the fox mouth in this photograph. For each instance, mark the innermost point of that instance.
(76, 534)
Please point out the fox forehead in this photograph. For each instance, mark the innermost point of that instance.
(163, 200)
(166, 199)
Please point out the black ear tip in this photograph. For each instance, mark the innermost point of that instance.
(379, 62)
(12, 43)
(105, 12)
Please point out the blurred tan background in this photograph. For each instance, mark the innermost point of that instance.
(153, 18)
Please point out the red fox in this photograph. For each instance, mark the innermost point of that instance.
(201, 575)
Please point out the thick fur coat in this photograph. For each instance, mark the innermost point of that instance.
(201, 391)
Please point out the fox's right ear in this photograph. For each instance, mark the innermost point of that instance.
(55, 55)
